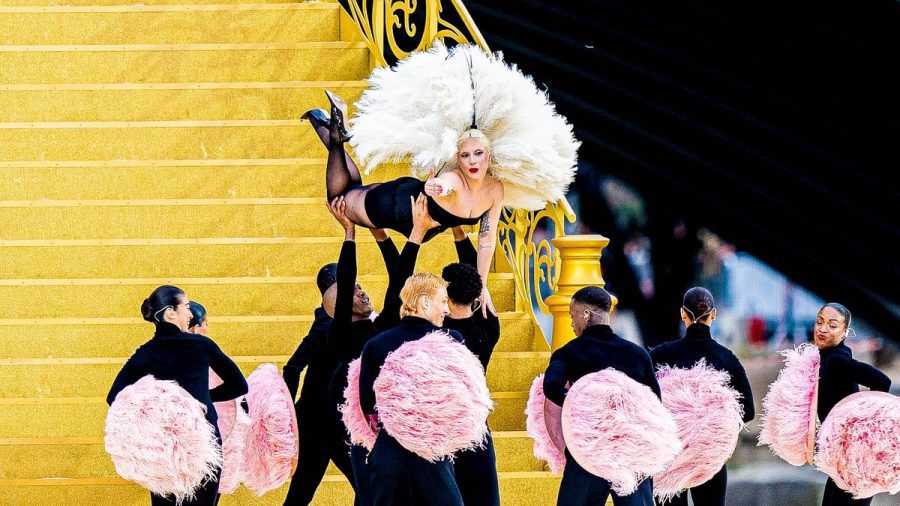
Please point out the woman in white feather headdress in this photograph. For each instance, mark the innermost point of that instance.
(494, 138)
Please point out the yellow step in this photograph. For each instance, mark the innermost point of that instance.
(202, 218)
(163, 140)
(118, 298)
(184, 63)
(197, 179)
(92, 220)
(173, 102)
(274, 335)
(92, 377)
(295, 256)
(176, 24)
(86, 458)
(537, 488)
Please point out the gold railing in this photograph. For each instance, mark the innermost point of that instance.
(395, 28)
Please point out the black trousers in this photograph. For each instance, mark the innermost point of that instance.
(581, 488)
(322, 438)
(711, 493)
(358, 458)
(834, 496)
(399, 477)
(476, 475)
(208, 495)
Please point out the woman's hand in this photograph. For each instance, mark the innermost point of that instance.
(422, 220)
(338, 209)
(434, 186)
(486, 303)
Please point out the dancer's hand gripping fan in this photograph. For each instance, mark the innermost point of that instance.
(543, 423)
(361, 431)
(157, 436)
(233, 424)
(272, 445)
(789, 409)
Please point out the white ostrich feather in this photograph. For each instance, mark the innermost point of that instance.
(418, 109)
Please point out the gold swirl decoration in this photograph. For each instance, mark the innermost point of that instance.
(533, 242)
(395, 28)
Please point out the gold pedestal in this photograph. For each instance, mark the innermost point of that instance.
(579, 267)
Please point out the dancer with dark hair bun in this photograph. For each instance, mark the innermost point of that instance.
(839, 376)
(698, 311)
(174, 354)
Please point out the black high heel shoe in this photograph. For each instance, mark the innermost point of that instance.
(337, 116)
(318, 118)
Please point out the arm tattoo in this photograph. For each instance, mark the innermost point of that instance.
(484, 230)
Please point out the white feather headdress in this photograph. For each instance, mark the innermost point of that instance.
(418, 110)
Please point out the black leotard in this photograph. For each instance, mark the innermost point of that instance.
(388, 206)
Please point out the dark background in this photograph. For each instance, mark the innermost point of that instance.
(773, 124)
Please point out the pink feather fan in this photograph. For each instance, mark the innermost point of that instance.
(789, 409)
(358, 427)
(537, 417)
(271, 448)
(233, 424)
(157, 436)
(859, 444)
(432, 397)
(709, 417)
(617, 429)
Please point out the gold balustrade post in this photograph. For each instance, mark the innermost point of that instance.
(579, 267)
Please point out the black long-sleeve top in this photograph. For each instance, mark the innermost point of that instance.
(346, 337)
(186, 359)
(480, 334)
(840, 375)
(697, 344)
(377, 349)
(313, 353)
(596, 349)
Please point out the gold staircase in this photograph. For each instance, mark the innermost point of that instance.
(159, 143)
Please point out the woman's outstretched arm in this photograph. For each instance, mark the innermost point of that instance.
(487, 243)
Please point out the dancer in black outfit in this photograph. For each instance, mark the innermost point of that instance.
(476, 470)
(698, 312)
(594, 349)
(174, 354)
(397, 476)
(839, 376)
(353, 327)
(318, 423)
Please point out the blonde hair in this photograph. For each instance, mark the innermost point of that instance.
(423, 283)
(474, 134)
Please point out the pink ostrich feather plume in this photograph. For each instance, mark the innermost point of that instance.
(157, 436)
(358, 427)
(536, 426)
(859, 444)
(617, 429)
(709, 417)
(233, 424)
(432, 397)
(789, 409)
(272, 446)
